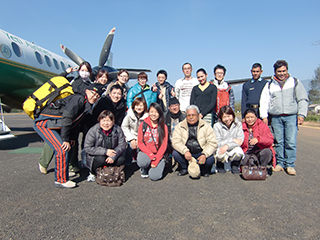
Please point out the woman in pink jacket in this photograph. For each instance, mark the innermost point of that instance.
(258, 140)
(152, 143)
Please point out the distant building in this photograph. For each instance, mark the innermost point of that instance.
(314, 108)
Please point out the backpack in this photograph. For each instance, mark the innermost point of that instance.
(56, 88)
(223, 98)
(112, 176)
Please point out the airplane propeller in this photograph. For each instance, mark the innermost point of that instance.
(105, 51)
(73, 56)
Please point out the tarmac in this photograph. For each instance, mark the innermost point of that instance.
(223, 206)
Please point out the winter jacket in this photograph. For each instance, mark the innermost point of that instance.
(78, 84)
(205, 136)
(290, 99)
(169, 88)
(148, 142)
(225, 135)
(135, 91)
(130, 125)
(66, 114)
(224, 85)
(261, 132)
(95, 143)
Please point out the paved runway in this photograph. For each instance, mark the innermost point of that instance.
(222, 206)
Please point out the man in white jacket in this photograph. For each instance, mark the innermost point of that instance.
(285, 101)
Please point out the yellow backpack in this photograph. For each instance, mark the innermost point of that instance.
(56, 88)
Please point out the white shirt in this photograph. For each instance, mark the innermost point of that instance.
(183, 90)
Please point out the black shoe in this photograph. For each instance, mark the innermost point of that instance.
(221, 170)
(235, 170)
(205, 175)
(182, 172)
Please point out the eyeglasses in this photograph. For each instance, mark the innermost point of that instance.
(192, 115)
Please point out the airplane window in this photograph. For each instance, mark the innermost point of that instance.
(48, 61)
(63, 66)
(16, 49)
(39, 57)
(5, 51)
(56, 64)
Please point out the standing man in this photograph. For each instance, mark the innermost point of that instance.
(225, 95)
(183, 86)
(251, 90)
(285, 100)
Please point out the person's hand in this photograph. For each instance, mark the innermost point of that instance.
(111, 153)
(223, 149)
(265, 120)
(133, 144)
(243, 120)
(160, 96)
(188, 156)
(72, 142)
(253, 141)
(202, 159)
(173, 94)
(153, 165)
(66, 146)
(70, 69)
(154, 88)
(109, 160)
(237, 141)
(300, 120)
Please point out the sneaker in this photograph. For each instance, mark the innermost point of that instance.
(42, 169)
(278, 168)
(291, 171)
(91, 178)
(68, 184)
(72, 174)
(144, 172)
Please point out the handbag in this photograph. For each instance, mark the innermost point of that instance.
(254, 172)
(111, 176)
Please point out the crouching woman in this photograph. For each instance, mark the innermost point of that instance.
(152, 143)
(104, 144)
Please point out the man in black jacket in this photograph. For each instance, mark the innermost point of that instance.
(57, 123)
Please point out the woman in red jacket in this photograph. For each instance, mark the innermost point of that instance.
(152, 143)
(258, 140)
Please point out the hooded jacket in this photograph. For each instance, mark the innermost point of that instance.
(135, 91)
(261, 132)
(130, 125)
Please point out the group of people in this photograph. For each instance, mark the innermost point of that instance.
(192, 124)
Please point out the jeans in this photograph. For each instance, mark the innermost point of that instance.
(285, 135)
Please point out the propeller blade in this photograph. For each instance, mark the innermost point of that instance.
(73, 56)
(106, 48)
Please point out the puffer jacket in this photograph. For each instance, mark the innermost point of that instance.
(130, 125)
(261, 132)
(225, 135)
(205, 136)
(134, 91)
(289, 99)
(95, 144)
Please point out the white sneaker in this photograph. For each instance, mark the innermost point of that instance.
(144, 172)
(68, 184)
(72, 174)
(91, 178)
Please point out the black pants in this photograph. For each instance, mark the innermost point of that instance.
(262, 157)
(100, 161)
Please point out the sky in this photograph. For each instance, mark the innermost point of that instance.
(165, 34)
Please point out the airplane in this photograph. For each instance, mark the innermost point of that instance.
(25, 66)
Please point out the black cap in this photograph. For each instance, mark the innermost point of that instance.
(97, 87)
(173, 100)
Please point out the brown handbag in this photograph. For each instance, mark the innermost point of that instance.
(111, 176)
(254, 172)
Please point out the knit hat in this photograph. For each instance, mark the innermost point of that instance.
(193, 168)
(173, 100)
(96, 87)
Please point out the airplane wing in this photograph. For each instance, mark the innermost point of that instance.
(243, 80)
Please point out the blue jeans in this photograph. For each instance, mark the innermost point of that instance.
(285, 130)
